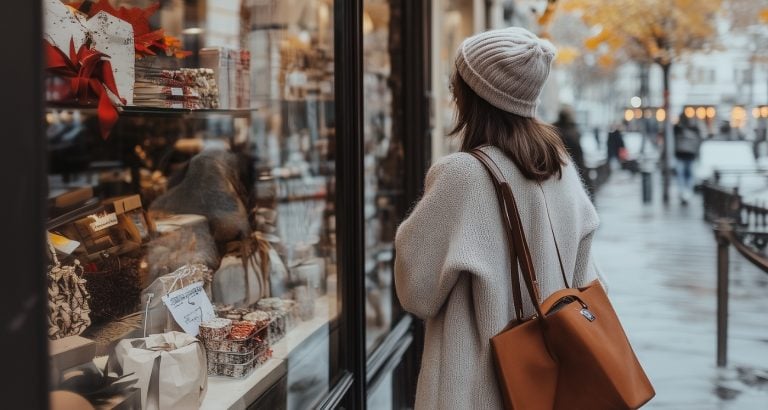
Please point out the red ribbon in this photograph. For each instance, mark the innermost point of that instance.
(90, 75)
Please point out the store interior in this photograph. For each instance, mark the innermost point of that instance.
(192, 201)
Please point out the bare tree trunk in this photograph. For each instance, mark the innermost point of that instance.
(668, 141)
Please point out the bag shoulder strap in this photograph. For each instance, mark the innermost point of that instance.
(516, 241)
(496, 178)
(518, 246)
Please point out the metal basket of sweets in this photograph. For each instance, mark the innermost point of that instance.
(223, 357)
(244, 337)
(278, 325)
(239, 370)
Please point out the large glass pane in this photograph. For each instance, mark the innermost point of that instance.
(383, 166)
(452, 22)
(215, 183)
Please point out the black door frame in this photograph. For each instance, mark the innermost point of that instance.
(23, 177)
(350, 228)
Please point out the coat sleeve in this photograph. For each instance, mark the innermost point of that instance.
(440, 240)
(587, 269)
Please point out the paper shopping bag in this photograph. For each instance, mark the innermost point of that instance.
(170, 369)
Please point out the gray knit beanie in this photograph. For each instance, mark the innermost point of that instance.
(506, 67)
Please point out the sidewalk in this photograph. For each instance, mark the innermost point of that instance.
(660, 264)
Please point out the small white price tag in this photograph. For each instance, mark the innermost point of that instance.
(102, 221)
(190, 306)
(177, 92)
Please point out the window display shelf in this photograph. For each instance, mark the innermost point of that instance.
(138, 111)
(227, 393)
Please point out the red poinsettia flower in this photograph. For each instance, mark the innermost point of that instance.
(90, 75)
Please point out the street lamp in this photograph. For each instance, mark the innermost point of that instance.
(636, 102)
(701, 113)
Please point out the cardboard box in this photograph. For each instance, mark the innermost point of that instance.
(118, 226)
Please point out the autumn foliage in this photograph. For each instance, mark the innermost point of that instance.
(653, 31)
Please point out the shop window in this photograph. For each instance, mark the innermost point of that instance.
(195, 221)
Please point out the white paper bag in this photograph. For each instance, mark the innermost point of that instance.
(170, 368)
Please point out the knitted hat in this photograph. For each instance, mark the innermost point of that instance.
(506, 67)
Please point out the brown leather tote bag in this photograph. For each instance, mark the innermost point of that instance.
(572, 353)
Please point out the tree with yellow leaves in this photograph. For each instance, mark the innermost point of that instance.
(649, 31)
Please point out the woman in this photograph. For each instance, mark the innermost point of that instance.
(452, 267)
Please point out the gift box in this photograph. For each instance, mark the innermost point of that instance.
(108, 34)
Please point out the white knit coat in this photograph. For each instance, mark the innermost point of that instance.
(453, 268)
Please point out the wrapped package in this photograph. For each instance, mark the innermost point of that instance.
(170, 369)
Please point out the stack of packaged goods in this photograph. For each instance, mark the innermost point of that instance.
(189, 88)
(234, 348)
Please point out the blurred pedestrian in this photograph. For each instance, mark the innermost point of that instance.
(617, 152)
(687, 142)
(569, 133)
(453, 260)
(596, 132)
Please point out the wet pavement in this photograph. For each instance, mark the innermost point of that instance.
(660, 264)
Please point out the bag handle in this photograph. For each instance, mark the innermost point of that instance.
(516, 241)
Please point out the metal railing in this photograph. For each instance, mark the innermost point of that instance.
(743, 226)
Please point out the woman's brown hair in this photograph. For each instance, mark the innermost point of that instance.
(535, 147)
